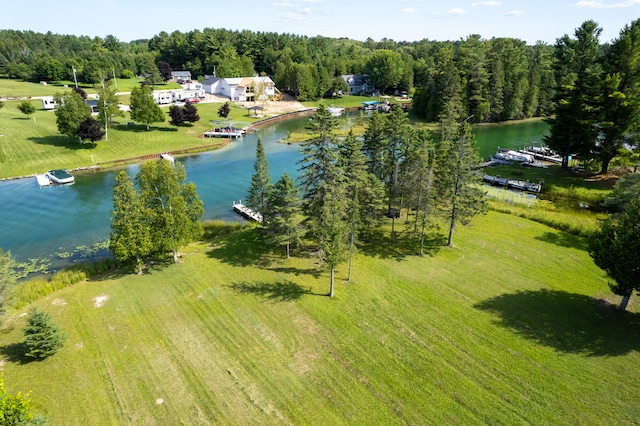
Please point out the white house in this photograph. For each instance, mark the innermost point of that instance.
(241, 89)
(48, 102)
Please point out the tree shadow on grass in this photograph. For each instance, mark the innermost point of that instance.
(15, 352)
(62, 141)
(567, 322)
(280, 291)
(563, 239)
(244, 248)
(405, 244)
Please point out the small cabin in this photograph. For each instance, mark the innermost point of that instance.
(48, 102)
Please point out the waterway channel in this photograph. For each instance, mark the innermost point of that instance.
(61, 223)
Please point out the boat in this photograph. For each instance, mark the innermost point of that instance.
(168, 157)
(510, 156)
(370, 105)
(43, 180)
(224, 132)
(335, 111)
(60, 176)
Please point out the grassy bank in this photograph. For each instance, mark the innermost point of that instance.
(511, 326)
(34, 145)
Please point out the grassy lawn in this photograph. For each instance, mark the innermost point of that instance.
(18, 88)
(511, 326)
(28, 146)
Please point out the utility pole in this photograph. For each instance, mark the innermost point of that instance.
(75, 80)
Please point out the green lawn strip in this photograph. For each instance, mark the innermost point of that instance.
(27, 147)
(505, 327)
(24, 89)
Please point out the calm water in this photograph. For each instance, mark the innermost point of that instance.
(53, 222)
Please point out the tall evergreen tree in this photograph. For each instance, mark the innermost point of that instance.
(574, 128)
(260, 187)
(333, 229)
(284, 219)
(317, 166)
(458, 180)
(620, 123)
(131, 236)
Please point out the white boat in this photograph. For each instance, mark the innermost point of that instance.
(511, 156)
(60, 176)
(335, 111)
(43, 180)
(168, 157)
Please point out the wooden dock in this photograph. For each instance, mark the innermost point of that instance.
(513, 184)
(246, 212)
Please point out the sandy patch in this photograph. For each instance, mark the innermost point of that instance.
(159, 401)
(58, 302)
(78, 345)
(98, 301)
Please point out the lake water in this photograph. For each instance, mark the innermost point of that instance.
(58, 222)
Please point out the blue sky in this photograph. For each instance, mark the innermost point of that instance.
(399, 20)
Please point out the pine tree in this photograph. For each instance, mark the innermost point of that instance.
(258, 193)
(130, 227)
(458, 180)
(317, 170)
(284, 221)
(43, 338)
(332, 230)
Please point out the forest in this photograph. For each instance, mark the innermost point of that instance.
(498, 79)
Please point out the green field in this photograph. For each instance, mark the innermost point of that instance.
(23, 89)
(34, 145)
(514, 325)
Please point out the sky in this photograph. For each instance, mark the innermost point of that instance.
(398, 20)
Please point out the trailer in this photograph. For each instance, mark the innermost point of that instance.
(162, 98)
(48, 102)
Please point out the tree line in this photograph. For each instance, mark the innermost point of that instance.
(496, 79)
(346, 186)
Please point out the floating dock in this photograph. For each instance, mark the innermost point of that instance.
(513, 184)
(246, 212)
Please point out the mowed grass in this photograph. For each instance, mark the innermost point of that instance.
(29, 146)
(511, 326)
(10, 88)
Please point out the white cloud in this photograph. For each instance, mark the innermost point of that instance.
(409, 10)
(514, 13)
(284, 4)
(293, 16)
(456, 11)
(487, 3)
(596, 4)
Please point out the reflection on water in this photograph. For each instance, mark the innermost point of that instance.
(51, 222)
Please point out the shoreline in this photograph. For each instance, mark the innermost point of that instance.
(105, 165)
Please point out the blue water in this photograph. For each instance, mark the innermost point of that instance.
(53, 222)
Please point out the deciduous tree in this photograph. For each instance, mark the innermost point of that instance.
(71, 110)
(8, 276)
(27, 108)
(173, 205)
(143, 108)
(131, 233)
(90, 129)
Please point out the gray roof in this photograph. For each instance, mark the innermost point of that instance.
(356, 80)
(181, 74)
